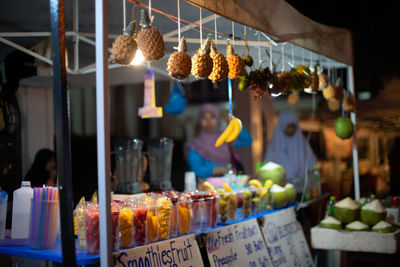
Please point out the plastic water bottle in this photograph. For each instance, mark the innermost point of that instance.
(329, 207)
(230, 177)
(21, 213)
(3, 212)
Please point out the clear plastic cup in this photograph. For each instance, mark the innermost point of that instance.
(246, 203)
(79, 213)
(184, 208)
(255, 201)
(239, 209)
(223, 207)
(140, 223)
(209, 200)
(152, 212)
(232, 206)
(197, 210)
(164, 217)
(125, 224)
(173, 197)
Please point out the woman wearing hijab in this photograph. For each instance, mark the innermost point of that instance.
(289, 148)
(204, 158)
(43, 170)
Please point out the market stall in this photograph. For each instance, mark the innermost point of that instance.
(330, 47)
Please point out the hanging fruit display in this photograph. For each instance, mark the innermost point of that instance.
(231, 132)
(179, 63)
(333, 105)
(293, 99)
(333, 93)
(344, 128)
(349, 103)
(322, 80)
(284, 82)
(125, 46)
(259, 82)
(314, 80)
(235, 63)
(220, 65)
(150, 39)
(202, 64)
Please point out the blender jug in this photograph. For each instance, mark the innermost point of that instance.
(128, 161)
(160, 161)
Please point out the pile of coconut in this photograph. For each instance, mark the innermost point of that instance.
(354, 216)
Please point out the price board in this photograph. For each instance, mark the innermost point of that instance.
(285, 240)
(239, 244)
(182, 251)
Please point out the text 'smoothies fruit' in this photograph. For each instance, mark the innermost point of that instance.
(330, 222)
(372, 212)
(346, 210)
(344, 128)
(273, 171)
(383, 227)
(150, 39)
(235, 63)
(357, 226)
(125, 46)
(179, 63)
(220, 65)
(202, 63)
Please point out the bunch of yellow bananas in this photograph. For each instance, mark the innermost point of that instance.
(231, 132)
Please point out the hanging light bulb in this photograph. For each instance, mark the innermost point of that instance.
(139, 59)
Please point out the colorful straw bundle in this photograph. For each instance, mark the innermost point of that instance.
(44, 217)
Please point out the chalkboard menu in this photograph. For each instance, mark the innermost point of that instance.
(182, 251)
(239, 244)
(285, 240)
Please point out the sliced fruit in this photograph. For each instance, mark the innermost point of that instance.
(227, 188)
(256, 183)
(268, 183)
(208, 186)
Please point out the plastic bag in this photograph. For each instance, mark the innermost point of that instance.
(177, 102)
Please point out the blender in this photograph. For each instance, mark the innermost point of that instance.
(128, 162)
(160, 161)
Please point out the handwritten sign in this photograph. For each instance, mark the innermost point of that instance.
(285, 240)
(238, 244)
(182, 251)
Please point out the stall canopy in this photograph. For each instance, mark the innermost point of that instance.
(282, 21)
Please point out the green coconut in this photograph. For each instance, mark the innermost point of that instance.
(357, 226)
(346, 210)
(372, 212)
(291, 192)
(383, 227)
(273, 171)
(279, 198)
(330, 222)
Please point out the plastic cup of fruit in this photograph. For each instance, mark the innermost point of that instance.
(164, 217)
(263, 199)
(184, 208)
(239, 204)
(80, 223)
(92, 227)
(173, 197)
(152, 212)
(255, 201)
(209, 200)
(214, 212)
(223, 207)
(232, 206)
(125, 224)
(246, 203)
(197, 211)
(139, 223)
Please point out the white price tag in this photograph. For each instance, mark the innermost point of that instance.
(285, 240)
(182, 251)
(239, 244)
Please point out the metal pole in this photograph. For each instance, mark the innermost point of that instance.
(103, 131)
(61, 123)
(76, 37)
(350, 84)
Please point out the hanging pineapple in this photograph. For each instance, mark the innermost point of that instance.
(150, 39)
(235, 63)
(220, 65)
(322, 80)
(125, 46)
(180, 63)
(284, 82)
(348, 103)
(201, 62)
(333, 105)
(314, 80)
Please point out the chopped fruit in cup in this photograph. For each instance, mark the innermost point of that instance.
(223, 206)
(246, 203)
(197, 210)
(184, 214)
(115, 209)
(209, 200)
(232, 206)
(126, 225)
(92, 228)
(79, 215)
(174, 197)
(255, 200)
(163, 217)
(239, 203)
(152, 229)
(139, 225)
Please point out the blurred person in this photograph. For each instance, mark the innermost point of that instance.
(43, 170)
(204, 158)
(289, 148)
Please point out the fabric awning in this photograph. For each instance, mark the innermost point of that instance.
(277, 18)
